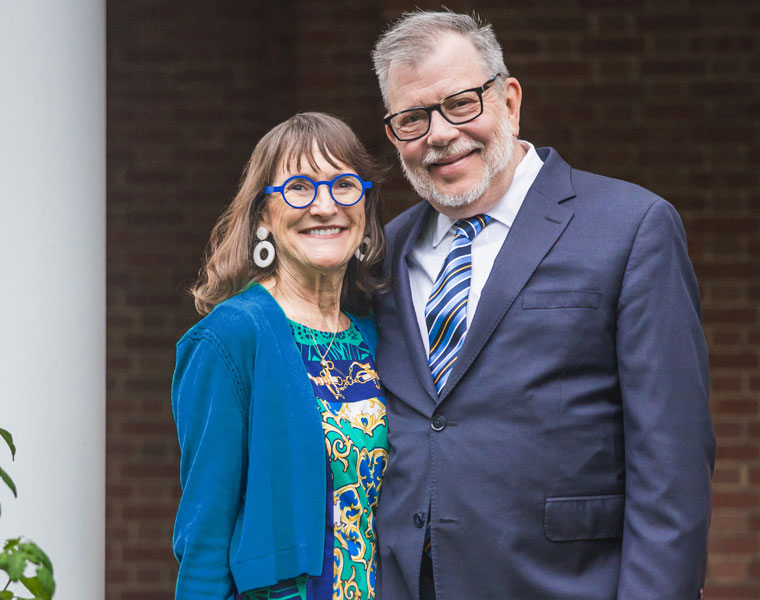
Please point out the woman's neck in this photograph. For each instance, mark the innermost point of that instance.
(313, 301)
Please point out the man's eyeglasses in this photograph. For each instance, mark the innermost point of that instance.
(462, 107)
(299, 191)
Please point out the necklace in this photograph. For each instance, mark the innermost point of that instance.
(323, 357)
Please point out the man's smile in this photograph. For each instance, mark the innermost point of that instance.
(451, 163)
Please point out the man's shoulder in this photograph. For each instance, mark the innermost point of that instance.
(611, 189)
(622, 206)
(560, 181)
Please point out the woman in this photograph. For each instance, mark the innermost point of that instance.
(279, 411)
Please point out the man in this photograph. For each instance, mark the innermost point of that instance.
(545, 367)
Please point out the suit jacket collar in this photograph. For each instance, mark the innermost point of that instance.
(408, 232)
(538, 225)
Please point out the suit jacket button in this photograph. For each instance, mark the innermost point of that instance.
(419, 520)
(439, 423)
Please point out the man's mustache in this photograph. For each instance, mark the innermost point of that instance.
(435, 155)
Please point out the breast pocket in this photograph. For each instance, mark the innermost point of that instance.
(561, 299)
(584, 518)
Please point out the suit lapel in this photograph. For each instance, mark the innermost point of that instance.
(404, 303)
(538, 225)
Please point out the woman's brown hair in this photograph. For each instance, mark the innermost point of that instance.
(228, 265)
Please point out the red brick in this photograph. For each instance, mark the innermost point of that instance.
(727, 524)
(737, 499)
(732, 591)
(729, 430)
(670, 22)
(722, 224)
(673, 67)
(729, 570)
(725, 475)
(736, 545)
(754, 569)
(725, 384)
(734, 361)
(613, 45)
(735, 407)
(754, 523)
(754, 476)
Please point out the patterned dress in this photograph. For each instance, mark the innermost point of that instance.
(351, 400)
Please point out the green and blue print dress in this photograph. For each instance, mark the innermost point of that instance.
(351, 401)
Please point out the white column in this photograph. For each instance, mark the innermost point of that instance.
(52, 283)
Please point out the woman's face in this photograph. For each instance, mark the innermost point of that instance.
(321, 237)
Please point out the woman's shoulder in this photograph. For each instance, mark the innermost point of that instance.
(240, 317)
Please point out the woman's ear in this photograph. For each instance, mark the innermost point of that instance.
(264, 219)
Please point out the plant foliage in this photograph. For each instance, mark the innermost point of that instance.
(19, 557)
(3, 475)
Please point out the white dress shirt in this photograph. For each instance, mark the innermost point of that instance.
(432, 246)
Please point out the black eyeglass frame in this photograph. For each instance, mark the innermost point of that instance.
(480, 90)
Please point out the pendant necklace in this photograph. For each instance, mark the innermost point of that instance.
(323, 357)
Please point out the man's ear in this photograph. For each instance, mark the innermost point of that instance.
(390, 136)
(513, 101)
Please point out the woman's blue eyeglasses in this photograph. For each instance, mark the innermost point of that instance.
(299, 191)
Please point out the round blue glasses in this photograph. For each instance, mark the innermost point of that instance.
(299, 191)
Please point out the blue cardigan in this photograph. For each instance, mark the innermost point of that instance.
(253, 453)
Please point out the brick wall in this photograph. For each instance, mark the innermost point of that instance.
(663, 94)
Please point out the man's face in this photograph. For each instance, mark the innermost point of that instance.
(456, 167)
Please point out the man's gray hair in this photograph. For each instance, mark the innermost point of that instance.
(416, 34)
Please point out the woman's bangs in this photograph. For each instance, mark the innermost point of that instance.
(301, 150)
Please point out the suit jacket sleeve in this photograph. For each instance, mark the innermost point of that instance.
(669, 440)
(208, 409)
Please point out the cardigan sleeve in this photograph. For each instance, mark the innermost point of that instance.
(210, 411)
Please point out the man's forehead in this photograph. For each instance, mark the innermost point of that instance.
(408, 90)
(454, 65)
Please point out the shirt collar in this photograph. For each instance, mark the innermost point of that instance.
(505, 209)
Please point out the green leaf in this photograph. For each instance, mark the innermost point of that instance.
(34, 585)
(16, 566)
(11, 544)
(18, 554)
(45, 578)
(6, 435)
(6, 595)
(8, 481)
(34, 554)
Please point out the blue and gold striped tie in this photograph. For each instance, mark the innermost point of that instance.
(446, 309)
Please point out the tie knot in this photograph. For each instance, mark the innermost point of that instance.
(472, 226)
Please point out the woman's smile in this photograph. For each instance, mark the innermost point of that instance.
(323, 231)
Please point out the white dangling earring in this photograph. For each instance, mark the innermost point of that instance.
(263, 246)
(359, 254)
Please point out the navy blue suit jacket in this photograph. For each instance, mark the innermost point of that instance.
(569, 455)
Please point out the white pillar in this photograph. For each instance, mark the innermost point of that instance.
(52, 283)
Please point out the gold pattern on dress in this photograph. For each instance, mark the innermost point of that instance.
(348, 588)
(366, 415)
(358, 373)
(347, 517)
(340, 448)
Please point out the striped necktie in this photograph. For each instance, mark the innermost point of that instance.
(446, 309)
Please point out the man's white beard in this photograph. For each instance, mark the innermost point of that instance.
(496, 158)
